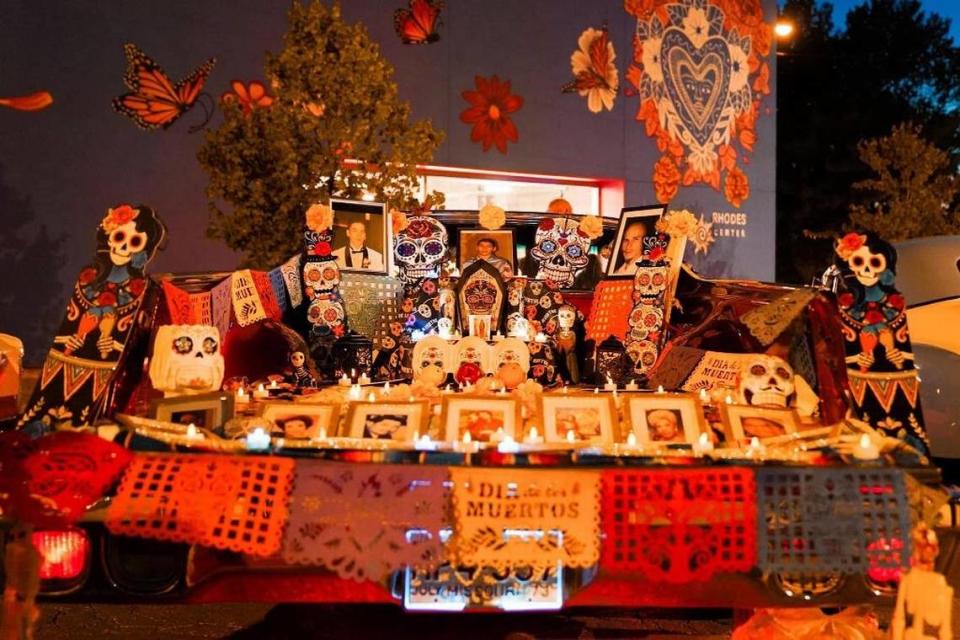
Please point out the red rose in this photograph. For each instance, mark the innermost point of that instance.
(845, 299)
(106, 299)
(873, 317)
(419, 229)
(87, 276)
(896, 301)
(321, 249)
(136, 286)
(546, 225)
(656, 253)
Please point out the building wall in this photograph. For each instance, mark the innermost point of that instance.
(78, 157)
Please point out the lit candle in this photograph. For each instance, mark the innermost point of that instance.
(260, 392)
(533, 437)
(704, 396)
(611, 385)
(241, 396)
(571, 435)
(424, 443)
(660, 389)
(632, 385)
(386, 388)
(355, 392)
(702, 445)
(503, 391)
(755, 448)
(565, 390)
(353, 375)
(344, 381)
(866, 449)
(258, 440)
(508, 445)
(728, 399)
(467, 445)
(631, 440)
(371, 397)
(193, 433)
(498, 436)
(273, 384)
(322, 434)
(364, 379)
(596, 390)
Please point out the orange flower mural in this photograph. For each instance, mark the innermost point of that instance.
(490, 107)
(250, 96)
(701, 73)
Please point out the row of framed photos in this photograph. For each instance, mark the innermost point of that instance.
(579, 417)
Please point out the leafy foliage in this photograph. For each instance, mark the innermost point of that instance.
(913, 191)
(335, 99)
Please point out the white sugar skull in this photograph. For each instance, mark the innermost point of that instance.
(186, 359)
(566, 316)
(650, 282)
(420, 249)
(867, 266)
(125, 242)
(325, 312)
(510, 351)
(561, 249)
(475, 350)
(766, 381)
(645, 319)
(321, 276)
(644, 354)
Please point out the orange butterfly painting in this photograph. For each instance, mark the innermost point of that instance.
(418, 24)
(155, 102)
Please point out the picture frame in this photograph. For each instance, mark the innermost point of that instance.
(505, 249)
(302, 420)
(401, 421)
(618, 265)
(591, 416)
(481, 415)
(204, 410)
(741, 422)
(663, 418)
(376, 248)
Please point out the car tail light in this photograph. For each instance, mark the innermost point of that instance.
(64, 553)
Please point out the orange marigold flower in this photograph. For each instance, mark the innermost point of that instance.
(666, 179)
(489, 112)
(736, 187)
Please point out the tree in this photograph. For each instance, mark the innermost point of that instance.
(891, 63)
(335, 100)
(913, 191)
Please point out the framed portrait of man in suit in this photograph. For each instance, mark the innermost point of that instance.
(361, 241)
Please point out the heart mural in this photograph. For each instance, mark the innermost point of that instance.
(697, 80)
(701, 73)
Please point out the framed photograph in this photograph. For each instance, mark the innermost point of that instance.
(481, 416)
(663, 418)
(398, 421)
(479, 325)
(301, 419)
(637, 224)
(496, 247)
(361, 236)
(743, 422)
(591, 417)
(207, 410)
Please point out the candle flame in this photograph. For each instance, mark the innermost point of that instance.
(865, 441)
(704, 440)
(467, 438)
(571, 436)
(631, 439)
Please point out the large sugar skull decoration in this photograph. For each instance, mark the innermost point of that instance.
(320, 277)
(186, 359)
(767, 381)
(881, 371)
(645, 335)
(561, 249)
(420, 248)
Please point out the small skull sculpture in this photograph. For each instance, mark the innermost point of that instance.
(561, 248)
(650, 282)
(766, 381)
(420, 249)
(186, 359)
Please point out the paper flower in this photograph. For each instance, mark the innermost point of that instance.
(492, 217)
(736, 187)
(33, 102)
(596, 76)
(592, 227)
(489, 113)
(250, 96)
(118, 216)
(680, 223)
(666, 179)
(319, 217)
(848, 244)
(398, 221)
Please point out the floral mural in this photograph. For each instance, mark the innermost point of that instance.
(701, 72)
(489, 112)
(595, 74)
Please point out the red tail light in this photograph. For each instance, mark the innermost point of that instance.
(64, 553)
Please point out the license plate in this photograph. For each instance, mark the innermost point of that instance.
(454, 589)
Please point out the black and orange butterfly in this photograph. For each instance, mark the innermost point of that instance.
(154, 102)
(418, 24)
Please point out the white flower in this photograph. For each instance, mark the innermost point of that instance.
(651, 60)
(598, 94)
(697, 27)
(739, 69)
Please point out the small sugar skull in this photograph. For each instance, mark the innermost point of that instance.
(321, 276)
(644, 355)
(766, 381)
(650, 282)
(186, 359)
(561, 250)
(566, 316)
(325, 314)
(420, 248)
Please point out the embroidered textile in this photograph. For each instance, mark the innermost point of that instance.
(505, 517)
(366, 521)
(225, 502)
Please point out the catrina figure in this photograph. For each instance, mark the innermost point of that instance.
(566, 341)
(101, 312)
(881, 371)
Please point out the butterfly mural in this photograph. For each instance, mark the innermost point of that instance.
(154, 102)
(418, 24)
(595, 75)
(33, 102)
